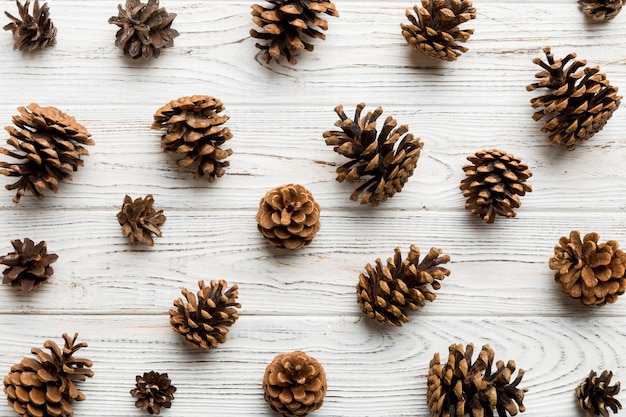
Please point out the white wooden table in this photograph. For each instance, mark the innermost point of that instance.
(500, 292)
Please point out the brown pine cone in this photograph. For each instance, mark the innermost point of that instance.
(294, 384)
(590, 271)
(595, 396)
(386, 294)
(153, 391)
(34, 31)
(28, 267)
(601, 10)
(139, 220)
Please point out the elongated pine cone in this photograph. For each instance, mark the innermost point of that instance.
(194, 130)
(45, 386)
(139, 220)
(579, 103)
(387, 294)
(287, 24)
(462, 387)
(595, 396)
(204, 320)
(434, 28)
(34, 31)
(153, 391)
(288, 216)
(294, 384)
(28, 267)
(493, 183)
(388, 157)
(590, 271)
(145, 28)
(601, 10)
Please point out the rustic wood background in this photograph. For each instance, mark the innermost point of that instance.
(500, 292)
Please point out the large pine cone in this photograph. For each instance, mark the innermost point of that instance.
(28, 267)
(153, 390)
(462, 387)
(580, 103)
(294, 384)
(34, 31)
(285, 22)
(139, 220)
(601, 10)
(595, 396)
(194, 129)
(386, 294)
(493, 183)
(590, 271)
(434, 28)
(45, 387)
(388, 157)
(204, 320)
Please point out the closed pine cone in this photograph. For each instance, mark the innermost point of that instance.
(595, 396)
(388, 157)
(294, 384)
(579, 103)
(139, 220)
(434, 28)
(153, 390)
(287, 24)
(601, 10)
(288, 216)
(45, 386)
(590, 271)
(28, 267)
(34, 31)
(387, 294)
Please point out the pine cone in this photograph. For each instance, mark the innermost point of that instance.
(434, 28)
(288, 216)
(204, 320)
(45, 387)
(153, 391)
(294, 384)
(51, 145)
(493, 183)
(28, 267)
(193, 129)
(590, 271)
(285, 22)
(144, 29)
(580, 103)
(139, 220)
(385, 157)
(386, 294)
(34, 31)
(595, 395)
(464, 388)
(601, 10)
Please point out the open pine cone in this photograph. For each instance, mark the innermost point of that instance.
(139, 220)
(579, 103)
(595, 396)
(153, 391)
(388, 157)
(287, 24)
(386, 294)
(294, 384)
(45, 386)
(34, 31)
(434, 28)
(28, 267)
(462, 387)
(590, 271)
(601, 10)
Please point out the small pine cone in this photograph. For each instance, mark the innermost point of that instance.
(493, 182)
(139, 220)
(288, 216)
(595, 396)
(34, 31)
(388, 157)
(580, 103)
(285, 22)
(204, 321)
(144, 29)
(590, 271)
(386, 294)
(153, 391)
(434, 28)
(45, 386)
(28, 267)
(194, 129)
(294, 384)
(601, 10)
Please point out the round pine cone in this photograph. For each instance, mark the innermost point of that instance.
(434, 28)
(579, 104)
(294, 384)
(590, 271)
(386, 294)
(204, 320)
(493, 183)
(595, 396)
(34, 31)
(388, 157)
(288, 216)
(28, 267)
(139, 220)
(153, 391)
(194, 130)
(601, 10)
